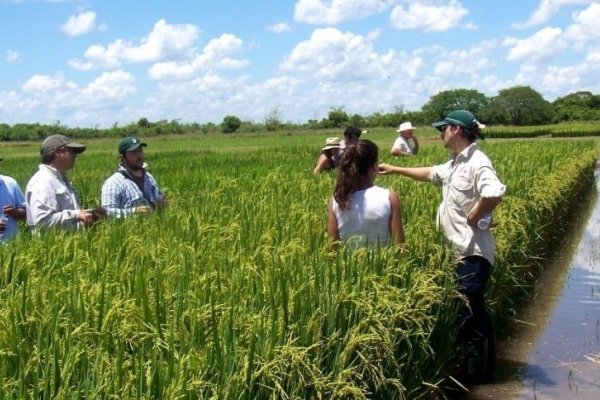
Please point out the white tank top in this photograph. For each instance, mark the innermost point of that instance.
(366, 222)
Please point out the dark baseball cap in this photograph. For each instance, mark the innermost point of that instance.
(130, 143)
(54, 142)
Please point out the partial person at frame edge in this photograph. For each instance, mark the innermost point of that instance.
(13, 206)
(361, 214)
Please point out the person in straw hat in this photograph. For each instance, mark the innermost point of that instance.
(329, 157)
(402, 145)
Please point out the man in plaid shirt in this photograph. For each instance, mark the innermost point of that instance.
(132, 189)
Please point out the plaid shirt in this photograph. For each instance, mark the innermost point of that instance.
(121, 195)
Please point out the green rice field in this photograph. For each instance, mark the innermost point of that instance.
(232, 292)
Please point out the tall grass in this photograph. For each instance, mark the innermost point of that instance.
(232, 292)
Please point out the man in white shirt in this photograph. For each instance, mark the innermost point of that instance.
(402, 145)
(51, 199)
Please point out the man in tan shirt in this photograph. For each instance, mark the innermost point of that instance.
(471, 191)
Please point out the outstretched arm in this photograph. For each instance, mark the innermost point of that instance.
(418, 173)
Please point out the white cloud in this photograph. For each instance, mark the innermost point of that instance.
(198, 99)
(547, 9)
(339, 65)
(42, 83)
(218, 53)
(281, 27)
(331, 54)
(421, 16)
(12, 56)
(541, 46)
(336, 56)
(560, 80)
(331, 12)
(110, 86)
(164, 42)
(47, 98)
(585, 27)
(479, 57)
(79, 24)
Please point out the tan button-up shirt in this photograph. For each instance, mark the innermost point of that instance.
(465, 179)
(51, 201)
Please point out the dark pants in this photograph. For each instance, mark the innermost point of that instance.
(472, 274)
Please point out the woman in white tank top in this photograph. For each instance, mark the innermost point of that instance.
(359, 213)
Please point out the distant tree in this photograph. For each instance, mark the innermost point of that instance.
(209, 127)
(375, 119)
(417, 118)
(273, 119)
(577, 106)
(358, 120)
(313, 124)
(230, 124)
(393, 118)
(143, 123)
(444, 102)
(337, 117)
(521, 105)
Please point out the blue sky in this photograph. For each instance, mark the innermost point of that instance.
(99, 63)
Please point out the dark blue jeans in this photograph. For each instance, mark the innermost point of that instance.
(472, 274)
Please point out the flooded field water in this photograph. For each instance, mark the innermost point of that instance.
(555, 352)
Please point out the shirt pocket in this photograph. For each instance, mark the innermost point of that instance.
(462, 194)
(64, 200)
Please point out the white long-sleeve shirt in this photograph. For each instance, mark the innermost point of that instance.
(51, 201)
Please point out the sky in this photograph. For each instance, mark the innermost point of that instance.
(84, 63)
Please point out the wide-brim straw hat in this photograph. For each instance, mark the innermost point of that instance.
(331, 143)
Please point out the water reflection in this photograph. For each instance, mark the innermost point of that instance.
(556, 354)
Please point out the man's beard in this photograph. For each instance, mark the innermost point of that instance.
(133, 167)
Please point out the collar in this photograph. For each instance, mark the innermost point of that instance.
(62, 177)
(121, 169)
(465, 154)
(53, 171)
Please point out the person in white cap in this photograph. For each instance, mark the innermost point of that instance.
(51, 198)
(329, 157)
(402, 145)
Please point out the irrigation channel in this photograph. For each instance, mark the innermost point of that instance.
(555, 352)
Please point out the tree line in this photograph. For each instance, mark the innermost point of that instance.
(515, 106)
